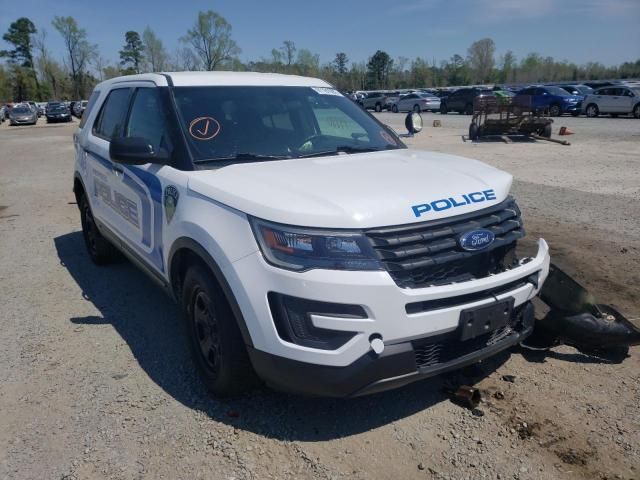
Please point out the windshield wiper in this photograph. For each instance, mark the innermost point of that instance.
(245, 156)
(345, 149)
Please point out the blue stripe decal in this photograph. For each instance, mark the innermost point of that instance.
(152, 183)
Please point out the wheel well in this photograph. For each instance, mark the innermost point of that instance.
(190, 253)
(180, 263)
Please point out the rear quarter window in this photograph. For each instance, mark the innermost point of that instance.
(92, 101)
(110, 120)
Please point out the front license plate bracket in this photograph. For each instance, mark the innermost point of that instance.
(484, 319)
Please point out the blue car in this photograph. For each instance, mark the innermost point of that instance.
(554, 99)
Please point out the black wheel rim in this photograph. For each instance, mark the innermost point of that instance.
(205, 329)
(555, 111)
(90, 230)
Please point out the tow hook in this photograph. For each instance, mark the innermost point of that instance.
(577, 320)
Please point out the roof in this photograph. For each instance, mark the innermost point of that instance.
(183, 79)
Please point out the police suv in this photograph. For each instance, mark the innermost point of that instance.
(303, 240)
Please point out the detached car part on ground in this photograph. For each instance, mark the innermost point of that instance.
(305, 243)
(577, 320)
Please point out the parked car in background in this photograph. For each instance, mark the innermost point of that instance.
(577, 89)
(555, 100)
(613, 100)
(42, 108)
(374, 100)
(23, 114)
(79, 108)
(461, 100)
(58, 112)
(3, 110)
(34, 107)
(416, 102)
(392, 98)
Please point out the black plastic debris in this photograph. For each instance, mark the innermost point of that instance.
(468, 397)
(575, 319)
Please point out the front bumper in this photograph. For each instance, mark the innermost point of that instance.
(398, 365)
(386, 305)
(572, 107)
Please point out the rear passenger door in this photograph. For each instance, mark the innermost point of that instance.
(109, 124)
(624, 103)
(604, 100)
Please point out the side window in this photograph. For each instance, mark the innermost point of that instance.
(626, 92)
(603, 91)
(92, 101)
(147, 118)
(618, 91)
(110, 121)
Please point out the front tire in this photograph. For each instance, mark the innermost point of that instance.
(214, 338)
(394, 108)
(592, 110)
(378, 107)
(636, 111)
(416, 108)
(555, 110)
(101, 251)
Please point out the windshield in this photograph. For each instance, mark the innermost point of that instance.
(21, 110)
(223, 123)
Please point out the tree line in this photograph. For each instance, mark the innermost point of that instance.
(31, 72)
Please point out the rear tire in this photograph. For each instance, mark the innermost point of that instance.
(394, 108)
(378, 107)
(416, 108)
(100, 250)
(214, 338)
(546, 131)
(473, 131)
(636, 111)
(592, 110)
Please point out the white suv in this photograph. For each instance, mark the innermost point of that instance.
(614, 100)
(303, 240)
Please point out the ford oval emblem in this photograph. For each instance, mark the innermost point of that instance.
(476, 239)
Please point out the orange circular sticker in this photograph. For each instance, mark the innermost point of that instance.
(204, 128)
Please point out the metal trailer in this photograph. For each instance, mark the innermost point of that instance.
(497, 116)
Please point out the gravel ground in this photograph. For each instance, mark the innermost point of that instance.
(95, 380)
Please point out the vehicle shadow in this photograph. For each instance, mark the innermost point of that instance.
(149, 322)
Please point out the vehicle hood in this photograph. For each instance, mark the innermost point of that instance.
(352, 191)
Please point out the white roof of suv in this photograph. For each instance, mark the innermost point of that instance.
(197, 79)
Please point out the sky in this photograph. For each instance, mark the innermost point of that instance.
(576, 30)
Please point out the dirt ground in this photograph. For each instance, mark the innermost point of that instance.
(96, 382)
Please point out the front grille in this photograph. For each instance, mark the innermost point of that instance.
(428, 254)
(447, 347)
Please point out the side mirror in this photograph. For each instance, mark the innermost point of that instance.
(413, 123)
(135, 151)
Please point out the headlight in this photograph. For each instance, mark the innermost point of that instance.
(299, 249)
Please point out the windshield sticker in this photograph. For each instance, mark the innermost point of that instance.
(387, 138)
(326, 91)
(204, 128)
